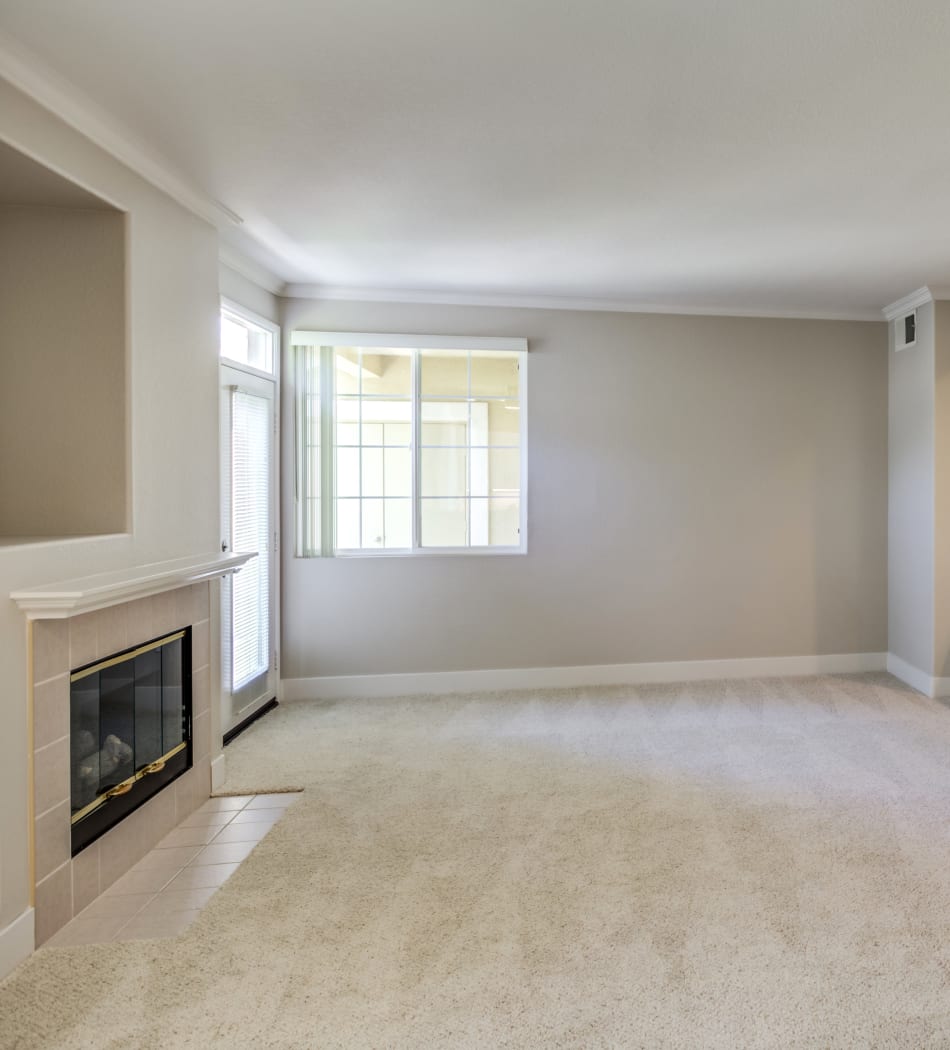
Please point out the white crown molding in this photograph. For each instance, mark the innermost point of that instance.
(29, 74)
(908, 303)
(557, 302)
(345, 686)
(251, 269)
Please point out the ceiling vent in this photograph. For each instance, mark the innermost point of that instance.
(906, 334)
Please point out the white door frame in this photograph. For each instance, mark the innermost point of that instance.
(259, 383)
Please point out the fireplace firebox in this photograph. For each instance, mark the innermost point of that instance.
(130, 732)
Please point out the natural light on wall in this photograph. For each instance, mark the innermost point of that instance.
(409, 448)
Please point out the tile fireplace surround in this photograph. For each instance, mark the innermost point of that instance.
(63, 886)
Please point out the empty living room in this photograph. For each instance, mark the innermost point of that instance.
(474, 525)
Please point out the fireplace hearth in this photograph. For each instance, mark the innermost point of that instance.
(130, 732)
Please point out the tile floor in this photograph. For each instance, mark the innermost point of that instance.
(169, 886)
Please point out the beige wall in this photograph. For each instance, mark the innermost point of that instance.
(236, 287)
(699, 488)
(174, 431)
(63, 445)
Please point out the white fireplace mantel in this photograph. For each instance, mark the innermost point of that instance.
(57, 601)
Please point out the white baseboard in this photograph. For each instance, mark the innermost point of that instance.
(17, 942)
(343, 686)
(219, 772)
(917, 679)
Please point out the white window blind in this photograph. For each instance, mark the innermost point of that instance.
(250, 532)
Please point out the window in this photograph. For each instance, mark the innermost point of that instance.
(409, 445)
(245, 343)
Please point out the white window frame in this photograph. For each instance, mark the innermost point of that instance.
(391, 341)
(251, 319)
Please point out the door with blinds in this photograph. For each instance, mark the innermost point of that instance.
(249, 525)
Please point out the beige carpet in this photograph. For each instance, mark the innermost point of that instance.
(723, 865)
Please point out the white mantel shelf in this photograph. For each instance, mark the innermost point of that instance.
(57, 601)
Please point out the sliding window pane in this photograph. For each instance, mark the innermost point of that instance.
(372, 480)
(478, 524)
(348, 524)
(504, 423)
(386, 523)
(347, 472)
(443, 472)
(504, 522)
(386, 372)
(383, 415)
(347, 433)
(444, 373)
(494, 522)
(478, 473)
(398, 523)
(397, 472)
(494, 374)
(372, 433)
(373, 524)
(397, 434)
(346, 370)
(504, 472)
(444, 423)
(444, 522)
(347, 410)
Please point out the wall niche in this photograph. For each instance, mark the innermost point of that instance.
(64, 431)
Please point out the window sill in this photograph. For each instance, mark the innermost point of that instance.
(434, 552)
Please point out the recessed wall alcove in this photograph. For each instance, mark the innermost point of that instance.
(63, 361)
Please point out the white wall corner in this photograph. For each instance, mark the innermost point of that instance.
(382, 685)
(219, 772)
(17, 942)
(913, 676)
(910, 302)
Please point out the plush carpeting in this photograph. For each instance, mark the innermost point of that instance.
(716, 865)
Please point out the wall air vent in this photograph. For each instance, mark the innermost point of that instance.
(906, 334)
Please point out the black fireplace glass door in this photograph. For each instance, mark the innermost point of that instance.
(173, 706)
(148, 708)
(130, 729)
(84, 741)
(116, 724)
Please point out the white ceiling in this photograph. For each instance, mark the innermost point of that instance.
(743, 154)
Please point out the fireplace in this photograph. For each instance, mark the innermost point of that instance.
(130, 732)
